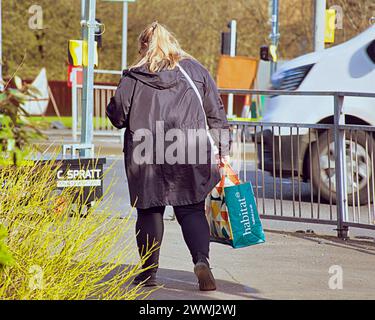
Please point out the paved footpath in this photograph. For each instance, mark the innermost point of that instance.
(287, 266)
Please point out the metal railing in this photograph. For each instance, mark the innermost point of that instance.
(287, 170)
(301, 177)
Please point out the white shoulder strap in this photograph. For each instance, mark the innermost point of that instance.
(192, 84)
(215, 149)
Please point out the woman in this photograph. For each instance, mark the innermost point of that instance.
(167, 92)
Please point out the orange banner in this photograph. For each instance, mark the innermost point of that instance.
(236, 72)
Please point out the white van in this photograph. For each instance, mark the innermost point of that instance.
(346, 67)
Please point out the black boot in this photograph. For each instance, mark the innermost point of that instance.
(203, 272)
(148, 279)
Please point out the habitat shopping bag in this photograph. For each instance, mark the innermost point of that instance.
(245, 223)
(216, 209)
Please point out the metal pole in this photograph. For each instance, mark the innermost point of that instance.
(124, 51)
(319, 24)
(83, 3)
(124, 35)
(340, 168)
(275, 35)
(233, 37)
(83, 9)
(74, 105)
(1, 50)
(88, 77)
(233, 41)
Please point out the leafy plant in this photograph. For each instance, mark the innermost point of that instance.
(16, 131)
(59, 255)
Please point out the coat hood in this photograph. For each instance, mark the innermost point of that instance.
(159, 80)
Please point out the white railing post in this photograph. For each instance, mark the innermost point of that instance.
(340, 167)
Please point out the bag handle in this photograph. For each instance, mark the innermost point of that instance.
(226, 171)
(192, 84)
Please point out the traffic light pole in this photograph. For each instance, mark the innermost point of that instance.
(233, 41)
(124, 52)
(319, 24)
(83, 11)
(88, 28)
(275, 35)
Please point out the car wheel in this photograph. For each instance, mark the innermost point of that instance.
(358, 167)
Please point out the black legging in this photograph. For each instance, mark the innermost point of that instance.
(192, 219)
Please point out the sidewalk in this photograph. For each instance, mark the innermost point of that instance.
(287, 266)
(107, 145)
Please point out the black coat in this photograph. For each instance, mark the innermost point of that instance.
(143, 98)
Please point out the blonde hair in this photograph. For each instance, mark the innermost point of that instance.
(159, 49)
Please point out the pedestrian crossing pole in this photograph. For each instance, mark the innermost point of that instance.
(319, 24)
(275, 35)
(124, 52)
(88, 24)
(233, 41)
(124, 47)
(82, 12)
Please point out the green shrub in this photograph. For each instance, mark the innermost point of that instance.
(16, 131)
(57, 254)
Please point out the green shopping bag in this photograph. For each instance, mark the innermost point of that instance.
(243, 215)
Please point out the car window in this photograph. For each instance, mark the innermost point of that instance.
(371, 51)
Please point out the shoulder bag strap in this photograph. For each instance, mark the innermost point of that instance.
(192, 84)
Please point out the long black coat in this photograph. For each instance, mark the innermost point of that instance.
(144, 98)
